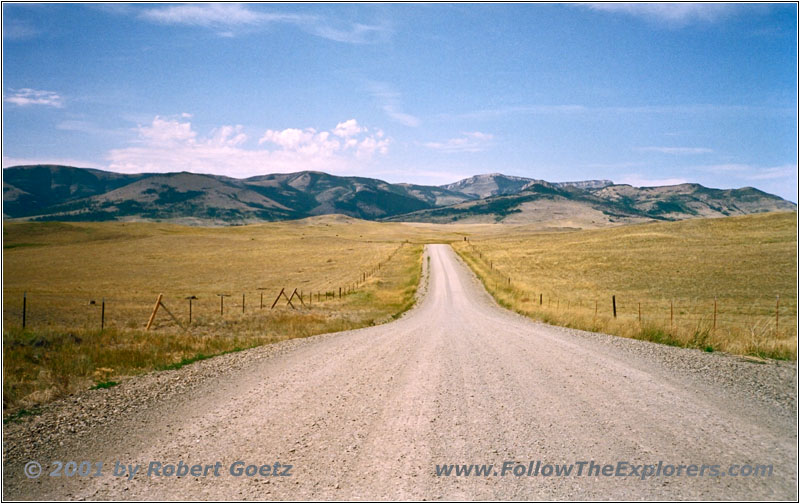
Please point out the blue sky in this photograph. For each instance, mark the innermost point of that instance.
(646, 94)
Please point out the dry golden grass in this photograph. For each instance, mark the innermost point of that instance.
(63, 267)
(745, 262)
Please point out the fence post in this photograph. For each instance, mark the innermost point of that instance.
(103, 315)
(614, 305)
(714, 326)
(190, 298)
(540, 299)
(340, 293)
(24, 307)
(640, 312)
(222, 303)
(153, 315)
(242, 302)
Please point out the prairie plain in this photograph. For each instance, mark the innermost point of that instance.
(70, 273)
(725, 284)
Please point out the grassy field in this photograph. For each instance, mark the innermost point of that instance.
(68, 270)
(743, 262)
(62, 268)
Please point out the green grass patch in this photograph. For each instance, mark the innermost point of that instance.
(19, 415)
(104, 385)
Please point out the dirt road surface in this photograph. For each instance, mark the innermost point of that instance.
(369, 414)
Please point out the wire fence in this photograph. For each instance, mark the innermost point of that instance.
(83, 309)
(775, 314)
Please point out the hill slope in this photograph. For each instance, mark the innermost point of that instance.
(570, 206)
(62, 193)
(65, 193)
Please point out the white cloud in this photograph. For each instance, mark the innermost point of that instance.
(166, 132)
(678, 151)
(213, 15)
(357, 33)
(289, 138)
(370, 145)
(230, 136)
(26, 96)
(401, 117)
(171, 144)
(389, 99)
(638, 180)
(469, 142)
(227, 18)
(347, 128)
(670, 13)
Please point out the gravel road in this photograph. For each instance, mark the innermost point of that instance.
(369, 414)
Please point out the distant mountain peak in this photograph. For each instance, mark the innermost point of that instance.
(52, 192)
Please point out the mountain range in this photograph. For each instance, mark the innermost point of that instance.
(64, 193)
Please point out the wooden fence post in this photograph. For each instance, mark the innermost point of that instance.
(242, 302)
(277, 298)
(614, 305)
(155, 309)
(714, 326)
(294, 293)
(222, 303)
(670, 316)
(153, 315)
(190, 298)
